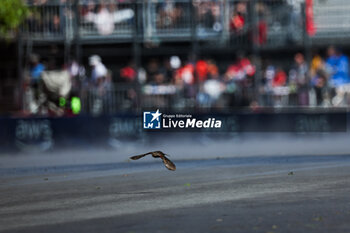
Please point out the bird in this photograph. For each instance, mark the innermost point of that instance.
(158, 154)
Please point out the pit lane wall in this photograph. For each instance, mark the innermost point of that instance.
(44, 133)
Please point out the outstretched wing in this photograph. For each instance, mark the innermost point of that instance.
(139, 156)
(167, 162)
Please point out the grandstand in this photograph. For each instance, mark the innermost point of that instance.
(137, 35)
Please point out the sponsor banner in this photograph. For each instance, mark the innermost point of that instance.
(34, 135)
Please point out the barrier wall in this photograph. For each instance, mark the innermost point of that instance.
(40, 134)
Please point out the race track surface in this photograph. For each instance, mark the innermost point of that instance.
(240, 194)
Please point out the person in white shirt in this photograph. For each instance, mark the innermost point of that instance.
(99, 70)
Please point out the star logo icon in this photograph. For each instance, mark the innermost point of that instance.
(156, 115)
(151, 120)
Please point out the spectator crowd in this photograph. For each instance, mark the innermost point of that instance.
(323, 82)
(198, 82)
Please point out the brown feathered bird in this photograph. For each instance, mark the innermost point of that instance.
(158, 154)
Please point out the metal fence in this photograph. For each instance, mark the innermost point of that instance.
(264, 23)
(210, 19)
(284, 23)
(51, 20)
(134, 98)
(167, 20)
(332, 19)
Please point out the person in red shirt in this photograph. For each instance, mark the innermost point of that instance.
(262, 33)
(280, 78)
(260, 38)
(213, 70)
(247, 66)
(240, 70)
(201, 70)
(237, 21)
(184, 75)
(128, 73)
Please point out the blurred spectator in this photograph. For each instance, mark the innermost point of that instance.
(130, 76)
(238, 18)
(319, 76)
(215, 13)
(103, 19)
(128, 73)
(162, 73)
(298, 75)
(210, 87)
(280, 91)
(32, 85)
(201, 70)
(213, 70)
(169, 14)
(36, 68)
(238, 78)
(280, 78)
(319, 83)
(159, 78)
(185, 79)
(99, 70)
(210, 93)
(78, 75)
(240, 70)
(269, 75)
(169, 67)
(88, 6)
(106, 16)
(260, 37)
(184, 75)
(76, 70)
(262, 33)
(208, 16)
(296, 5)
(175, 62)
(338, 66)
(317, 63)
(54, 24)
(267, 90)
(102, 85)
(152, 69)
(234, 72)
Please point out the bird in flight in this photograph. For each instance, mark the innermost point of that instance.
(158, 154)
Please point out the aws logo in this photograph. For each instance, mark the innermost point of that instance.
(34, 135)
